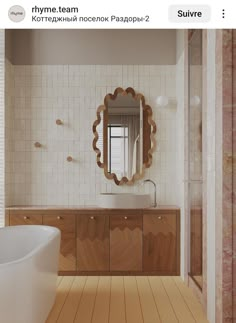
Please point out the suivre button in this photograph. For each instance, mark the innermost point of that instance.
(189, 13)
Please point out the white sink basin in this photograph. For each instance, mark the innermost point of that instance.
(124, 200)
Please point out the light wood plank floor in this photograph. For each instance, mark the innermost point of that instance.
(127, 299)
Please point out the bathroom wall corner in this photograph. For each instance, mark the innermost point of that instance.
(2, 129)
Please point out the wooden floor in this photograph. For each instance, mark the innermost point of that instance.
(198, 279)
(127, 299)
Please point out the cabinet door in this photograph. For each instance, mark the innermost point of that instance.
(126, 242)
(93, 242)
(25, 217)
(64, 221)
(161, 243)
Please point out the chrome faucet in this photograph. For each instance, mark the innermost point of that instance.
(155, 190)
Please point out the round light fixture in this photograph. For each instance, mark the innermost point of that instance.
(195, 101)
(162, 100)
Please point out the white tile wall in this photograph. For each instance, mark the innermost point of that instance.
(9, 126)
(42, 94)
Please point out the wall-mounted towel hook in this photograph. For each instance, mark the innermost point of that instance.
(59, 122)
(37, 144)
(69, 159)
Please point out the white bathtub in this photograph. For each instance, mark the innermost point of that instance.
(28, 272)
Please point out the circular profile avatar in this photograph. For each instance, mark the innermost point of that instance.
(16, 13)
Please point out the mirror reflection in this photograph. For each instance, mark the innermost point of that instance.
(124, 136)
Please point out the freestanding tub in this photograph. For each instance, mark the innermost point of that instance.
(28, 272)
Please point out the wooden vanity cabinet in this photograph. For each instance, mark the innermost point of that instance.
(161, 242)
(111, 240)
(25, 217)
(126, 240)
(93, 242)
(66, 222)
(61, 219)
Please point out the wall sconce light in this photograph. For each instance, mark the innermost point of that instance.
(162, 100)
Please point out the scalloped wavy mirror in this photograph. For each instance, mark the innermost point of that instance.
(124, 136)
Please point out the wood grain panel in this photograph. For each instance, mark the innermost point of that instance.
(160, 243)
(122, 300)
(125, 220)
(193, 304)
(148, 305)
(111, 240)
(125, 242)
(146, 137)
(59, 279)
(64, 222)
(67, 257)
(163, 304)
(68, 312)
(117, 302)
(25, 218)
(93, 242)
(181, 309)
(132, 301)
(87, 302)
(102, 303)
(64, 287)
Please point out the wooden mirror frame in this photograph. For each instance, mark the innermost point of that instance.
(148, 128)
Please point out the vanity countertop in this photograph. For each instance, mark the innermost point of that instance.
(85, 208)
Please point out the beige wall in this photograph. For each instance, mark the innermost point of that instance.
(8, 44)
(56, 47)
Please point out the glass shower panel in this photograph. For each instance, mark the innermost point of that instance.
(195, 154)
